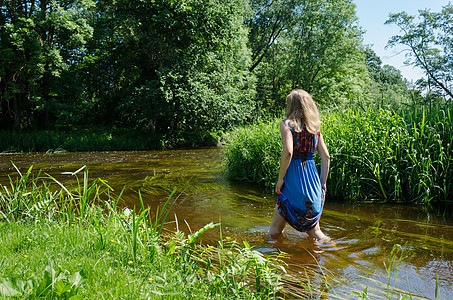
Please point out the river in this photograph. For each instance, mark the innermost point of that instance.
(364, 234)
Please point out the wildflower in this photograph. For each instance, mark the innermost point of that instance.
(108, 253)
(150, 279)
(29, 240)
(131, 262)
(30, 291)
(113, 241)
(143, 266)
(25, 256)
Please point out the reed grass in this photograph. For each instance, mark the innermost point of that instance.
(376, 154)
(389, 156)
(252, 153)
(75, 242)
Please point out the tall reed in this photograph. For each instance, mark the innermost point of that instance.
(384, 155)
(376, 154)
(252, 153)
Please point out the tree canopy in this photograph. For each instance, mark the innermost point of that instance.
(428, 42)
(40, 41)
(178, 65)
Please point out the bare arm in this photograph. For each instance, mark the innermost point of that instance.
(325, 161)
(287, 153)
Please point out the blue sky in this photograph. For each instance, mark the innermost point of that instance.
(372, 15)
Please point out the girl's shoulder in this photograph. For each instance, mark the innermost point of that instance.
(287, 124)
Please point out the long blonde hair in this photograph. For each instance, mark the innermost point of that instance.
(302, 110)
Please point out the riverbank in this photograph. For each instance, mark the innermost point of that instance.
(376, 154)
(101, 139)
(77, 243)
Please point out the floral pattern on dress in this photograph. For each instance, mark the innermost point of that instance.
(299, 221)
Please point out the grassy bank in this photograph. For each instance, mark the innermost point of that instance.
(100, 139)
(77, 243)
(376, 154)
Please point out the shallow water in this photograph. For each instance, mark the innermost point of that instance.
(364, 234)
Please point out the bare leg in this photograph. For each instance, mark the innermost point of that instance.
(278, 223)
(316, 233)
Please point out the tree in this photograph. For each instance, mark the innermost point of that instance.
(428, 43)
(268, 20)
(318, 48)
(181, 65)
(39, 41)
(328, 60)
(387, 85)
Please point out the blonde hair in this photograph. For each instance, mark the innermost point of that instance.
(302, 110)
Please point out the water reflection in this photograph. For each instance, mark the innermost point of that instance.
(365, 235)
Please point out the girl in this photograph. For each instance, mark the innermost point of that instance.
(300, 190)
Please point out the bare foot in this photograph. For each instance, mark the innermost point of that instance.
(326, 241)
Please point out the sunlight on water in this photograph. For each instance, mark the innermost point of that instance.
(386, 248)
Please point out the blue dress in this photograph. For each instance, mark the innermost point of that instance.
(302, 198)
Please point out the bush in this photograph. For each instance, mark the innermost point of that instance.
(102, 139)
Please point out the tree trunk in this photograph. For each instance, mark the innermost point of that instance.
(16, 110)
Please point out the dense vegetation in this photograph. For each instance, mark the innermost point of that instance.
(176, 67)
(376, 154)
(102, 139)
(63, 242)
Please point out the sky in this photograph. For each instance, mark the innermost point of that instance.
(372, 15)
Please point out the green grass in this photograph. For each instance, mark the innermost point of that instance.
(101, 139)
(61, 242)
(383, 155)
(376, 154)
(252, 153)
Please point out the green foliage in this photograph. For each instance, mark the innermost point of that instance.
(252, 153)
(362, 295)
(103, 139)
(192, 139)
(182, 65)
(429, 45)
(158, 65)
(386, 87)
(40, 42)
(72, 242)
(79, 139)
(182, 70)
(314, 45)
(376, 154)
(55, 284)
(382, 155)
(327, 58)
